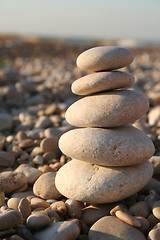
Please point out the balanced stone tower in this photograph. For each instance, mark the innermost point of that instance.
(109, 155)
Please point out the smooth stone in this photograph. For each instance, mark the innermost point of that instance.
(45, 187)
(5, 121)
(104, 58)
(140, 209)
(156, 209)
(109, 109)
(94, 184)
(24, 208)
(49, 145)
(13, 203)
(39, 203)
(67, 230)
(102, 81)
(154, 234)
(37, 220)
(107, 147)
(12, 181)
(111, 228)
(31, 173)
(10, 219)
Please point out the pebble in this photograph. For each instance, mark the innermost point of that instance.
(155, 160)
(101, 81)
(24, 208)
(26, 143)
(13, 202)
(154, 234)
(12, 181)
(122, 146)
(140, 209)
(37, 220)
(31, 173)
(74, 208)
(104, 58)
(109, 109)
(156, 209)
(49, 145)
(53, 133)
(43, 122)
(145, 224)
(6, 159)
(67, 230)
(154, 115)
(10, 219)
(45, 187)
(39, 203)
(5, 121)
(128, 218)
(105, 228)
(59, 207)
(93, 190)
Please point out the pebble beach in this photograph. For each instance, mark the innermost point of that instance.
(35, 92)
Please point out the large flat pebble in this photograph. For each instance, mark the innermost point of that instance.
(101, 81)
(107, 147)
(109, 109)
(111, 228)
(91, 183)
(104, 58)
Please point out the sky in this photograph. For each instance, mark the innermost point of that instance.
(100, 19)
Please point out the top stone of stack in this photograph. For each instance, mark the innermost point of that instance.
(104, 58)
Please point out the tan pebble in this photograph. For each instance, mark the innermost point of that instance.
(21, 135)
(110, 227)
(23, 194)
(10, 219)
(6, 159)
(119, 207)
(13, 203)
(51, 109)
(108, 109)
(152, 220)
(40, 211)
(154, 234)
(45, 169)
(38, 203)
(24, 208)
(140, 209)
(17, 151)
(45, 187)
(145, 225)
(36, 151)
(67, 230)
(123, 145)
(59, 207)
(127, 218)
(11, 181)
(26, 143)
(38, 160)
(101, 81)
(156, 209)
(49, 145)
(37, 221)
(74, 208)
(31, 173)
(104, 58)
(74, 172)
(155, 160)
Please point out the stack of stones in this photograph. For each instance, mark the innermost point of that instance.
(109, 155)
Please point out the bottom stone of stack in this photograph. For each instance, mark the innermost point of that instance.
(95, 184)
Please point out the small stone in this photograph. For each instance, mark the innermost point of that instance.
(11, 181)
(156, 209)
(6, 159)
(110, 227)
(43, 122)
(101, 184)
(31, 173)
(39, 203)
(127, 218)
(49, 145)
(59, 207)
(154, 115)
(104, 58)
(152, 220)
(45, 187)
(38, 160)
(140, 209)
(10, 219)
(154, 234)
(109, 109)
(74, 208)
(38, 221)
(13, 203)
(122, 146)
(24, 208)
(21, 135)
(67, 230)
(155, 160)
(26, 143)
(145, 225)
(101, 81)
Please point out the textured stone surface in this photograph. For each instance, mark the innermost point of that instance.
(104, 58)
(101, 81)
(94, 184)
(109, 109)
(111, 228)
(107, 147)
